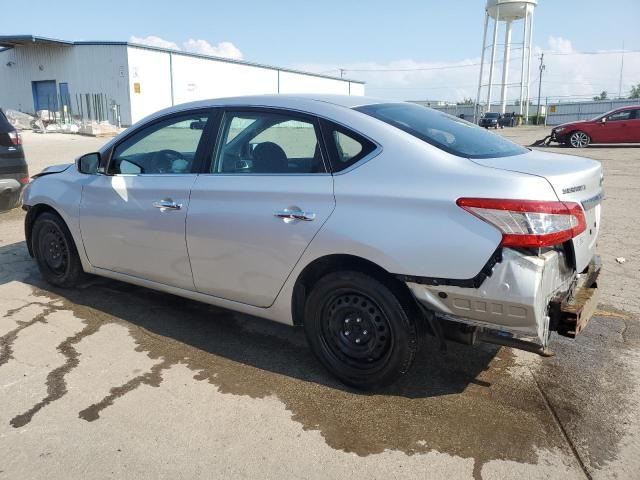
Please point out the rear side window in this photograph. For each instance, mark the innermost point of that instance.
(345, 146)
(448, 133)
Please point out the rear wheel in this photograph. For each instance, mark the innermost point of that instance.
(579, 139)
(359, 330)
(55, 251)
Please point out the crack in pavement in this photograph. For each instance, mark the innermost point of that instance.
(153, 378)
(558, 423)
(56, 383)
(9, 338)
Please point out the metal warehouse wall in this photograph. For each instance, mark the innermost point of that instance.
(570, 112)
(86, 68)
(198, 78)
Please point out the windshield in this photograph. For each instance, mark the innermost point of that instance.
(448, 133)
(491, 115)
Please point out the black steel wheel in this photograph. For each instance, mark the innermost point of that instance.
(55, 252)
(359, 330)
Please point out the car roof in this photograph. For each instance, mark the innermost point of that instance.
(278, 100)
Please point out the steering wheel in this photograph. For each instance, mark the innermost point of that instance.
(163, 160)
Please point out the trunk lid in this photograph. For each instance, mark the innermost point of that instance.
(574, 179)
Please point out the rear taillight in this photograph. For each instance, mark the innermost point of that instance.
(15, 137)
(528, 223)
(24, 180)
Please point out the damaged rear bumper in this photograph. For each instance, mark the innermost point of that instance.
(571, 311)
(526, 295)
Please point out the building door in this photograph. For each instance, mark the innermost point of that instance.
(65, 100)
(45, 96)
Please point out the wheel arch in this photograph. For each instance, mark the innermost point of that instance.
(324, 265)
(33, 213)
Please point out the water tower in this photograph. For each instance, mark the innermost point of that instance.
(506, 12)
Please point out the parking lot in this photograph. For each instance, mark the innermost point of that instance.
(117, 381)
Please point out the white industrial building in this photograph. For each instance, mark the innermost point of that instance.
(39, 73)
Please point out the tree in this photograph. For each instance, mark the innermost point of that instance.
(602, 96)
(635, 91)
(466, 101)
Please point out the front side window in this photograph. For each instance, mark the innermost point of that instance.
(267, 142)
(448, 133)
(619, 116)
(166, 147)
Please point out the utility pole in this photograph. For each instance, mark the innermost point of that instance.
(621, 70)
(342, 70)
(542, 67)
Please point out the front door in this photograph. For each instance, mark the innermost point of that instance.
(264, 197)
(132, 220)
(614, 129)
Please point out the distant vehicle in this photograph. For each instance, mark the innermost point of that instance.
(14, 174)
(365, 223)
(508, 120)
(621, 125)
(491, 120)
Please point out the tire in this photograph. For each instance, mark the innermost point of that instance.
(579, 139)
(359, 330)
(55, 251)
(9, 201)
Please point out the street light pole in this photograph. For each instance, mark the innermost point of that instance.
(542, 67)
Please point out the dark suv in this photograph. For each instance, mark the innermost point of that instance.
(14, 174)
(490, 119)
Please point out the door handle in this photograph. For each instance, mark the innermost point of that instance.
(167, 204)
(291, 215)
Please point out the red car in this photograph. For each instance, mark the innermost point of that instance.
(621, 125)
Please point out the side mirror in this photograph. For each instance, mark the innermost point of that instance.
(88, 163)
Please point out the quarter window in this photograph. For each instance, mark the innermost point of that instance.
(166, 147)
(346, 147)
(266, 142)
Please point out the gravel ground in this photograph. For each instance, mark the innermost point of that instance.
(116, 381)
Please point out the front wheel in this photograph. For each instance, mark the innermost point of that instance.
(359, 330)
(55, 251)
(579, 139)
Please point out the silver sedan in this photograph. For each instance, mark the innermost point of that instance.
(365, 222)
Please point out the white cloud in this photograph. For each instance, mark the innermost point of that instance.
(560, 45)
(222, 49)
(154, 41)
(566, 75)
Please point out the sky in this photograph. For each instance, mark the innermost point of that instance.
(403, 49)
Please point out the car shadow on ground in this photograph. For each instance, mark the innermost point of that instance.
(266, 345)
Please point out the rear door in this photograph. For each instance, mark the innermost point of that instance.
(264, 195)
(633, 127)
(132, 220)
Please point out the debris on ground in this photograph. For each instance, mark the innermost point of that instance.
(20, 120)
(621, 260)
(542, 143)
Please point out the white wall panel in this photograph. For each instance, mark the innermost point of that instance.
(299, 83)
(149, 69)
(357, 89)
(199, 78)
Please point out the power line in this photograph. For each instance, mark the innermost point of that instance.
(447, 67)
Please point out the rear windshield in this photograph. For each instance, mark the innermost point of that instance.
(446, 132)
(5, 126)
